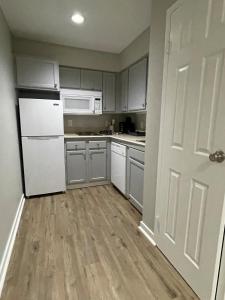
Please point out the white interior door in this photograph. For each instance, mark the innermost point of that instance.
(191, 188)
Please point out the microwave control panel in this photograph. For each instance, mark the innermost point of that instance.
(98, 106)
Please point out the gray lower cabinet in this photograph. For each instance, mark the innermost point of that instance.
(135, 177)
(109, 92)
(91, 80)
(76, 166)
(97, 165)
(70, 77)
(137, 86)
(86, 161)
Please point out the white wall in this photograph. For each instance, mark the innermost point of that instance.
(68, 56)
(10, 172)
(137, 49)
(156, 58)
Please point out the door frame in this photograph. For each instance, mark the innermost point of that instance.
(160, 172)
(221, 277)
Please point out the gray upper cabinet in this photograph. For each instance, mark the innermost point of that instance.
(137, 86)
(97, 165)
(35, 73)
(124, 90)
(91, 80)
(76, 167)
(70, 77)
(109, 92)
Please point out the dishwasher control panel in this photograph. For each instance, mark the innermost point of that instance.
(118, 148)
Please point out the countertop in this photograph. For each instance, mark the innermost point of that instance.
(116, 137)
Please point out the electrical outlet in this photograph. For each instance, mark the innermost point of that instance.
(70, 123)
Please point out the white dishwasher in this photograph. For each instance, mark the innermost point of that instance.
(118, 166)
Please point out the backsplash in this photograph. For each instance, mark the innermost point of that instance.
(74, 124)
(88, 123)
(139, 120)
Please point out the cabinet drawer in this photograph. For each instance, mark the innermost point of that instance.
(137, 155)
(79, 145)
(97, 144)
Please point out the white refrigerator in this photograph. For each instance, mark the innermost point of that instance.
(42, 136)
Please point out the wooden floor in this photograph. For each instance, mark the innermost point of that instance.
(85, 244)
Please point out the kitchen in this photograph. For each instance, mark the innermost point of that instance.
(91, 156)
(89, 184)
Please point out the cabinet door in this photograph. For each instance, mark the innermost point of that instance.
(76, 167)
(124, 90)
(135, 184)
(69, 77)
(97, 165)
(137, 86)
(35, 73)
(109, 92)
(91, 80)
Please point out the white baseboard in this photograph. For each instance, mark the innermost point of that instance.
(147, 233)
(10, 242)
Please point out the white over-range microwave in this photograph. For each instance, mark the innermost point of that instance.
(81, 102)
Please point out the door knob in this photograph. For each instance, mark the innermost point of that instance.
(218, 156)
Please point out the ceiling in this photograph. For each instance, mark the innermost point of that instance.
(110, 25)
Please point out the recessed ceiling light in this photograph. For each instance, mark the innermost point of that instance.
(78, 18)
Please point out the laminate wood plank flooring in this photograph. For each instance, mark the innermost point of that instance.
(85, 244)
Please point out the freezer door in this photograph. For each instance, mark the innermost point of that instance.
(44, 165)
(40, 117)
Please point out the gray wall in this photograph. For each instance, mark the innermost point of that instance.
(10, 174)
(137, 49)
(76, 57)
(68, 56)
(156, 58)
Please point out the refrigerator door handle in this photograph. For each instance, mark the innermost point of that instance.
(43, 137)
